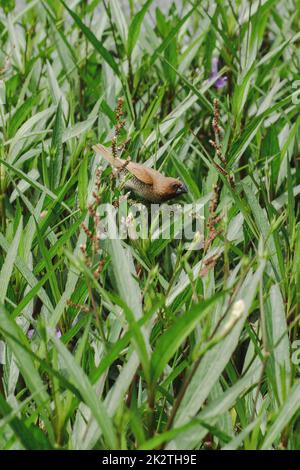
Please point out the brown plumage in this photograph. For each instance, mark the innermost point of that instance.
(146, 183)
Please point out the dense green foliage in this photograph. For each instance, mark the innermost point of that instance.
(144, 344)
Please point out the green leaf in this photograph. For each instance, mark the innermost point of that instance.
(27, 274)
(123, 269)
(214, 361)
(171, 36)
(263, 225)
(7, 268)
(21, 114)
(135, 27)
(119, 19)
(287, 411)
(78, 129)
(49, 267)
(83, 183)
(94, 41)
(171, 340)
(82, 383)
(31, 436)
(56, 152)
(184, 173)
(34, 184)
(279, 342)
(24, 360)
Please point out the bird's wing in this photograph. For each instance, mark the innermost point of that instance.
(141, 172)
(115, 162)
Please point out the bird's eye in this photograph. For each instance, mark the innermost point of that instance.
(175, 185)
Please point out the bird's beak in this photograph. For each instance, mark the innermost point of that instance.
(182, 189)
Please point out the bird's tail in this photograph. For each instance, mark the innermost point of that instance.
(107, 155)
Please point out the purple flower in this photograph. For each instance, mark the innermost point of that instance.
(31, 332)
(218, 82)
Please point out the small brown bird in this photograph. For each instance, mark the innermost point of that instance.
(146, 183)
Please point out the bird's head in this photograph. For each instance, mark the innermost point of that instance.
(172, 188)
